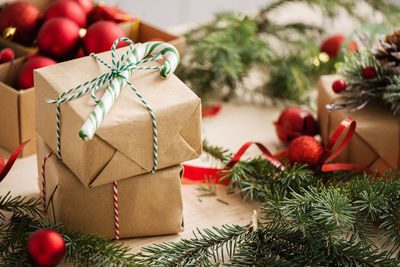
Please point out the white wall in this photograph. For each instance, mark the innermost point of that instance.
(170, 13)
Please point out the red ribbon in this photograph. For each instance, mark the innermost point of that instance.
(210, 111)
(199, 174)
(5, 168)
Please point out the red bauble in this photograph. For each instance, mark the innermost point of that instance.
(46, 247)
(332, 45)
(25, 76)
(369, 72)
(101, 35)
(19, 22)
(59, 39)
(66, 9)
(305, 150)
(102, 12)
(294, 122)
(339, 86)
(7, 54)
(86, 5)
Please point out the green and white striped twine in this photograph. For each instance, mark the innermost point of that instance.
(117, 78)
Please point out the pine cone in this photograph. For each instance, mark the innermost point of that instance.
(388, 51)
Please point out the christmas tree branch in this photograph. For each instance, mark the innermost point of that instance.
(19, 205)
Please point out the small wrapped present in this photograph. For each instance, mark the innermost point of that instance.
(124, 144)
(147, 204)
(376, 142)
(17, 119)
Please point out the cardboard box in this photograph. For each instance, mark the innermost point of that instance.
(17, 118)
(123, 144)
(148, 204)
(376, 141)
(17, 107)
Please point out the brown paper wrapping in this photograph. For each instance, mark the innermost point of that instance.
(375, 143)
(123, 145)
(149, 204)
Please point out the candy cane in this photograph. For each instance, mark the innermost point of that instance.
(114, 89)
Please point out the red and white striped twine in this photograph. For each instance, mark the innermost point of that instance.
(44, 180)
(115, 186)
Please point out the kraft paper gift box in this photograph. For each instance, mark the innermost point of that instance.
(148, 204)
(376, 141)
(17, 119)
(123, 145)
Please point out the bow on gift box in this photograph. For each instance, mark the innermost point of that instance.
(199, 174)
(6, 167)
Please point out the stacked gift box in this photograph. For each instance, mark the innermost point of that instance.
(17, 105)
(79, 185)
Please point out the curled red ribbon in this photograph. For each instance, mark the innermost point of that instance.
(5, 168)
(200, 174)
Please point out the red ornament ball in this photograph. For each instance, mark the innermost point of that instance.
(86, 5)
(369, 72)
(339, 86)
(66, 9)
(332, 45)
(59, 39)
(305, 150)
(101, 35)
(294, 122)
(19, 22)
(46, 247)
(25, 76)
(7, 54)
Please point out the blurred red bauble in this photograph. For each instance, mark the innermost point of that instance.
(101, 35)
(294, 122)
(19, 22)
(103, 12)
(46, 248)
(339, 86)
(59, 39)
(332, 45)
(305, 150)
(369, 72)
(25, 76)
(7, 54)
(86, 5)
(66, 9)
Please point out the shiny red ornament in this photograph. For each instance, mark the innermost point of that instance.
(66, 9)
(25, 75)
(19, 22)
(103, 12)
(369, 72)
(46, 247)
(59, 39)
(339, 86)
(294, 122)
(332, 45)
(7, 54)
(305, 150)
(86, 5)
(101, 35)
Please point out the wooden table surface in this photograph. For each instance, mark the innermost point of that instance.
(233, 126)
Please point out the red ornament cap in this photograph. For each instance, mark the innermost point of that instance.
(46, 247)
(305, 150)
(369, 72)
(339, 86)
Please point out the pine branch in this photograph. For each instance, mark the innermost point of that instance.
(207, 247)
(19, 205)
(217, 152)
